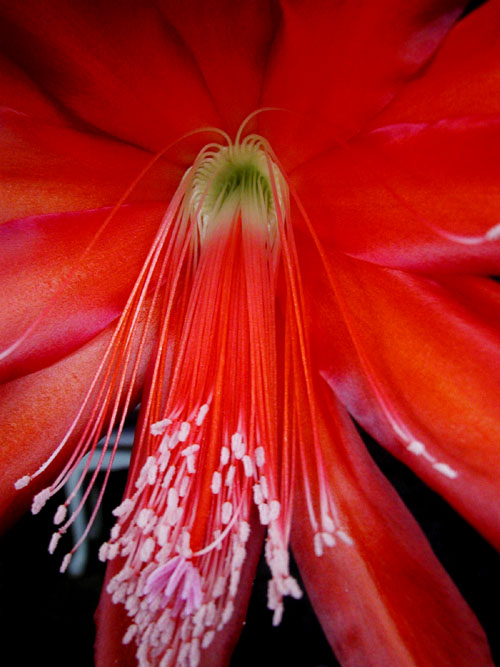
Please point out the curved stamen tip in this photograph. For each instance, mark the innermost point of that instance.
(39, 500)
(22, 482)
(60, 514)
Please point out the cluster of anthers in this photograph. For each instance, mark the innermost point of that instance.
(229, 415)
(220, 440)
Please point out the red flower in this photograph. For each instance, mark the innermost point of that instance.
(330, 255)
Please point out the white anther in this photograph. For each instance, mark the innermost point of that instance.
(258, 498)
(207, 639)
(237, 445)
(274, 510)
(39, 500)
(147, 549)
(216, 482)
(168, 477)
(60, 514)
(22, 482)
(124, 509)
(201, 414)
(318, 544)
(65, 562)
(53, 542)
(248, 466)
(259, 457)
(172, 498)
(244, 531)
(152, 472)
(264, 513)
(103, 553)
(130, 634)
(184, 431)
(227, 511)
(224, 455)
(159, 427)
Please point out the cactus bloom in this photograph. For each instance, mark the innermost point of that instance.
(259, 220)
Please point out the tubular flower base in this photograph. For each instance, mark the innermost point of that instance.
(326, 252)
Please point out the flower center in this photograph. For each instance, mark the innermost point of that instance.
(229, 177)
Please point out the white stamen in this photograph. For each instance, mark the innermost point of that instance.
(224, 456)
(248, 466)
(318, 545)
(237, 445)
(216, 482)
(201, 414)
(53, 542)
(60, 515)
(103, 553)
(124, 509)
(65, 562)
(159, 427)
(227, 510)
(130, 634)
(244, 531)
(22, 482)
(274, 510)
(184, 431)
(259, 457)
(168, 477)
(39, 500)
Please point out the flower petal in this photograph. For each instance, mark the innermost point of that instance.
(46, 275)
(112, 620)
(337, 64)
(119, 67)
(462, 79)
(418, 196)
(420, 371)
(231, 42)
(38, 409)
(377, 598)
(47, 168)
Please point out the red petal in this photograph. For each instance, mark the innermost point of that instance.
(119, 67)
(231, 42)
(36, 412)
(401, 349)
(462, 80)
(112, 620)
(48, 168)
(385, 600)
(22, 94)
(397, 195)
(44, 275)
(338, 64)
